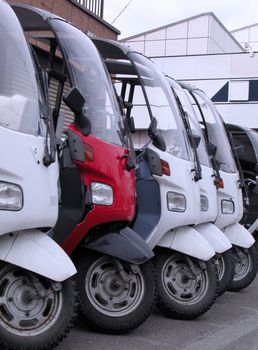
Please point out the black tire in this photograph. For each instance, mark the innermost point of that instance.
(226, 269)
(246, 263)
(29, 321)
(182, 294)
(107, 303)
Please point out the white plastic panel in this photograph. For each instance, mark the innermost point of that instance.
(197, 46)
(198, 27)
(238, 90)
(254, 33)
(176, 47)
(137, 38)
(157, 35)
(177, 31)
(137, 45)
(242, 35)
(155, 48)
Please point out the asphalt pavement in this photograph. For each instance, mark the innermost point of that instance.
(231, 324)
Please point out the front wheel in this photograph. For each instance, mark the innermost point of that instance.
(245, 262)
(225, 267)
(115, 296)
(187, 287)
(35, 312)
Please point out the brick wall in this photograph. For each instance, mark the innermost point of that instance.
(76, 14)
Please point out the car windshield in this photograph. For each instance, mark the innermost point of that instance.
(216, 132)
(19, 94)
(161, 104)
(87, 72)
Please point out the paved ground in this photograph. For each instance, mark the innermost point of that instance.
(231, 324)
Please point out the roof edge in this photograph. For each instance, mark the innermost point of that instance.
(185, 20)
(99, 19)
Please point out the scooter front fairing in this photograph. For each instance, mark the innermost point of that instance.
(230, 200)
(37, 295)
(204, 222)
(167, 201)
(97, 182)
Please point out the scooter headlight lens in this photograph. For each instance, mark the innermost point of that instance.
(204, 203)
(101, 193)
(11, 197)
(227, 206)
(176, 202)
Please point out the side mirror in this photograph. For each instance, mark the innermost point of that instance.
(75, 101)
(196, 140)
(157, 139)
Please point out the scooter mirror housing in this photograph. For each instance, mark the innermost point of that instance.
(157, 139)
(75, 101)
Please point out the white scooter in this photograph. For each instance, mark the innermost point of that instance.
(230, 201)
(37, 298)
(208, 191)
(168, 193)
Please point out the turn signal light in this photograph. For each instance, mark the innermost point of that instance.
(89, 152)
(219, 183)
(165, 167)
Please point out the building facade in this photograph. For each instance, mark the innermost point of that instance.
(201, 51)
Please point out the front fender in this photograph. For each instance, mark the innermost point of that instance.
(124, 244)
(187, 241)
(239, 235)
(216, 238)
(33, 250)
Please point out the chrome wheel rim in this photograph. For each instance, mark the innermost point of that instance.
(180, 283)
(22, 310)
(108, 292)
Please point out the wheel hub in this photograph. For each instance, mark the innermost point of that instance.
(179, 281)
(108, 292)
(22, 311)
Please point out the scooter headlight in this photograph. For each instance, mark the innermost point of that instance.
(204, 203)
(11, 196)
(101, 193)
(227, 206)
(176, 202)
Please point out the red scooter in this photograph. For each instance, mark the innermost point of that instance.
(97, 182)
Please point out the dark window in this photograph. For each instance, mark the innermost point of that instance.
(221, 95)
(253, 90)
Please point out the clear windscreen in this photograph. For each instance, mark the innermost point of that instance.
(19, 94)
(194, 124)
(91, 78)
(216, 132)
(161, 104)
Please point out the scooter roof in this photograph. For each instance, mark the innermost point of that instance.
(32, 18)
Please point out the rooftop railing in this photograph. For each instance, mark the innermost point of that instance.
(95, 6)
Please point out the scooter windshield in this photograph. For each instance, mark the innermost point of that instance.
(19, 94)
(216, 133)
(87, 72)
(193, 120)
(161, 104)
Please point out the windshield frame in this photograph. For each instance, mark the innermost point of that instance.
(76, 79)
(32, 120)
(136, 60)
(224, 152)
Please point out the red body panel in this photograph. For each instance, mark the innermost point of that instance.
(108, 167)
